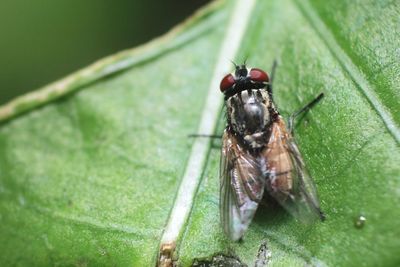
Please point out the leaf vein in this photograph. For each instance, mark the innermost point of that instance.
(347, 64)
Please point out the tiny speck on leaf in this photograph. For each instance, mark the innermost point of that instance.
(360, 222)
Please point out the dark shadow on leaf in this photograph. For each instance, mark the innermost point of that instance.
(270, 212)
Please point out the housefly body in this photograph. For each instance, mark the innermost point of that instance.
(259, 155)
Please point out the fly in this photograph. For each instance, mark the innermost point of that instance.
(259, 154)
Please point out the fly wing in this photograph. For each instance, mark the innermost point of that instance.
(242, 187)
(287, 179)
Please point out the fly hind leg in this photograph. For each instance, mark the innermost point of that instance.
(302, 110)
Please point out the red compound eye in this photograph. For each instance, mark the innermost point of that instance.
(258, 75)
(227, 82)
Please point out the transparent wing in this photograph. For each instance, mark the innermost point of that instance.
(287, 178)
(242, 187)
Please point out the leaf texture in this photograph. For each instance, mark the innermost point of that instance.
(90, 166)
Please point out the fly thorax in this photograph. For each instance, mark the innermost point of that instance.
(248, 113)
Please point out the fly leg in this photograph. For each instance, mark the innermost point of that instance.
(271, 79)
(206, 135)
(213, 137)
(302, 110)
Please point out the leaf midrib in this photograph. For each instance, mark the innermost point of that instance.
(180, 35)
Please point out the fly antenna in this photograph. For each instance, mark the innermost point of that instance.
(245, 61)
(234, 64)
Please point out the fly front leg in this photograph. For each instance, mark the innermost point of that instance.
(302, 110)
(271, 79)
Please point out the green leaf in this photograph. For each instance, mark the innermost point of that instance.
(92, 167)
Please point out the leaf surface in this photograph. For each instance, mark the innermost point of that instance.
(90, 166)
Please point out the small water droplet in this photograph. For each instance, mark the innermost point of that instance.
(360, 222)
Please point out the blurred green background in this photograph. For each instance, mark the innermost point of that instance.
(44, 40)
